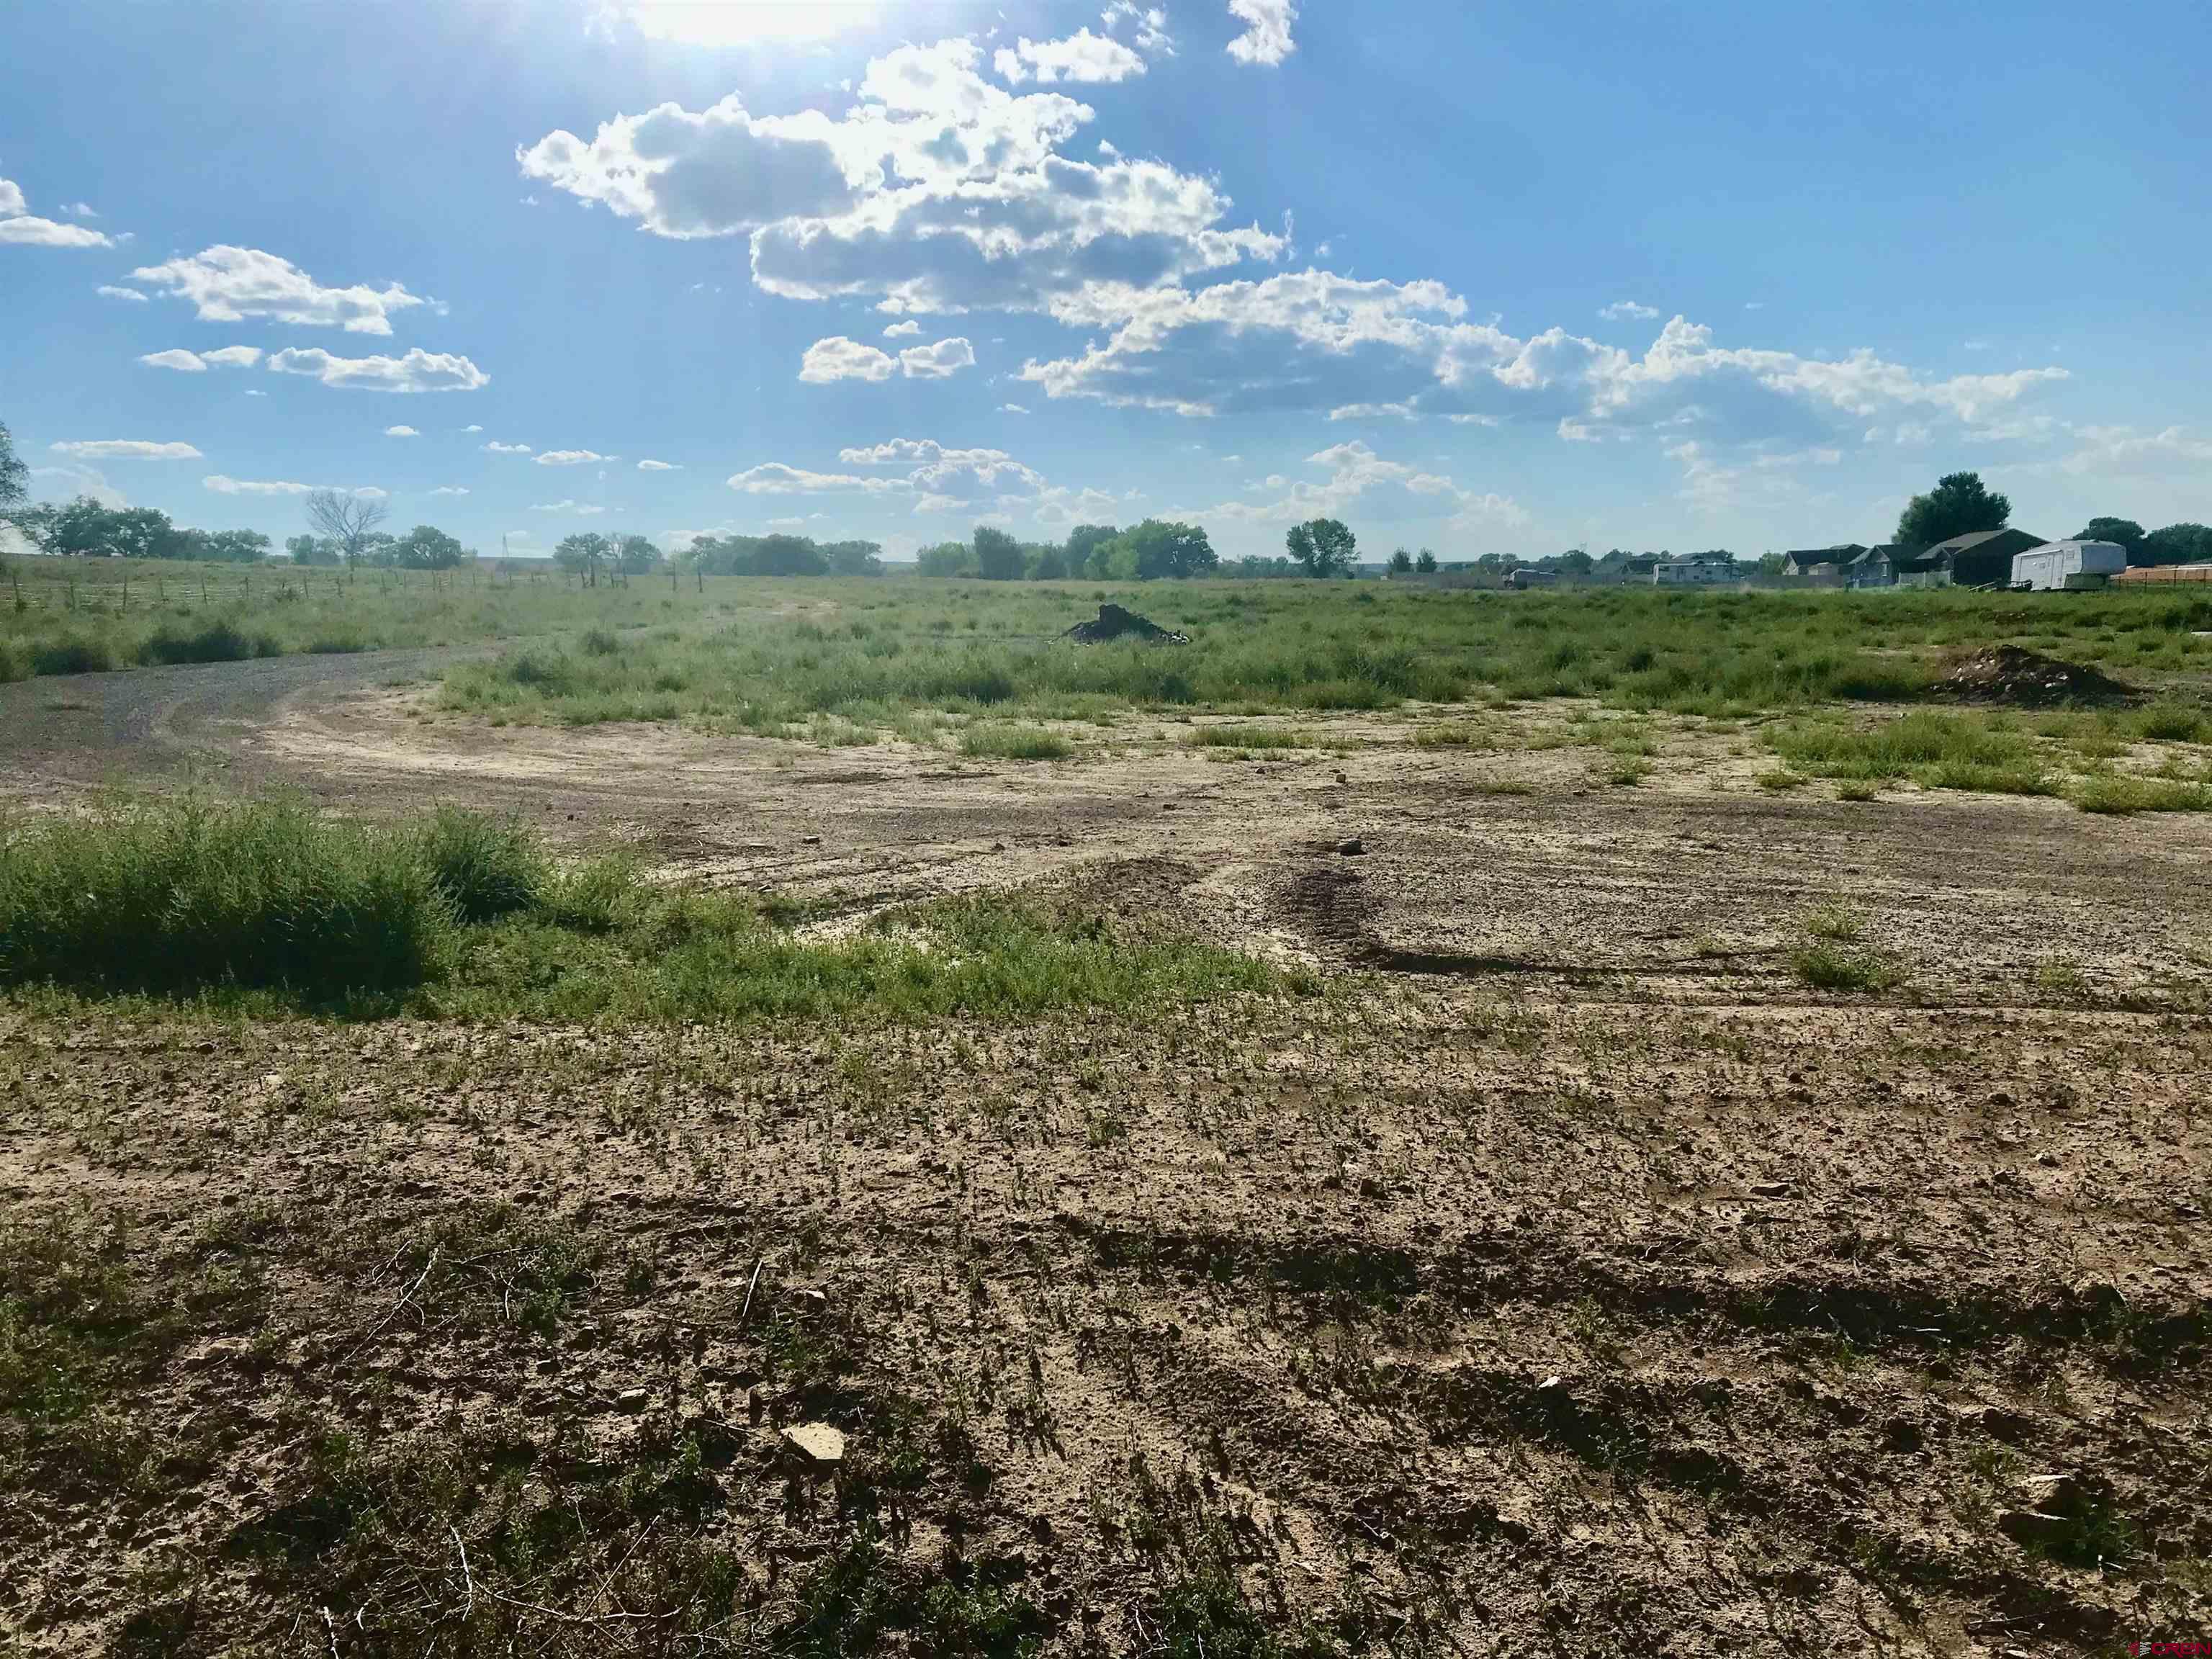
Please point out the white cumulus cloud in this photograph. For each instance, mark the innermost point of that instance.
(902, 330)
(839, 358)
(937, 192)
(495, 448)
(1082, 57)
(28, 231)
(1266, 37)
(198, 363)
(774, 478)
(20, 227)
(658, 466)
(1152, 25)
(228, 284)
(418, 371)
(401, 432)
(228, 486)
(109, 291)
(1624, 310)
(573, 458)
(935, 361)
(450, 490)
(580, 509)
(126, 449)
(1362, 487)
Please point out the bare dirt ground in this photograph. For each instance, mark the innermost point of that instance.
(1570, 1278)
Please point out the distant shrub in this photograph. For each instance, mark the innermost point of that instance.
(220, 641)
(1015, 743)
(2117, 794)
(175, 896)
(599, 642)
(1253, 737)
(541, 669)
(1826, 965)
(485, 868)
(72, 657)
(591, 898)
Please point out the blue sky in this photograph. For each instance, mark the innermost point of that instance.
(1476, 278)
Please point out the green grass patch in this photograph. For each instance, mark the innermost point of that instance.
(266, 904)
(173, 897)
(1826, 966)
(1253, 737)
(2120, 793)
(1015, 743)
(1973, 751)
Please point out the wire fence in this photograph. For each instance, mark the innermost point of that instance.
(113, 587)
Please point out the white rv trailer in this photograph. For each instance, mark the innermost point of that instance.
(2048, 567)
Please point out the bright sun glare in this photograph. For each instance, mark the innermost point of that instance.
(742, 23)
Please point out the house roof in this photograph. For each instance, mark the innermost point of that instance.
(1973, 539)
(1841, 553)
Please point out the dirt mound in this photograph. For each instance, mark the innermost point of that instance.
(1113, 622)
(2028, 680)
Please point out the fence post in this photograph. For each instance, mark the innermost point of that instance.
(126, 593)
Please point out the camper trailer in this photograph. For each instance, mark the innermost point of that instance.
(2057, 565)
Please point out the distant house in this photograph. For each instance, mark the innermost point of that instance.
(1619, 567)
(1695, 571)
(1982, 559)
(2056, 565)
(1818, 561)
(1847, 565)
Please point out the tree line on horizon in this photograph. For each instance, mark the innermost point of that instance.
(347, 530)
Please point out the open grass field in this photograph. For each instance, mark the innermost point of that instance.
(822, 1121)
(60, 617)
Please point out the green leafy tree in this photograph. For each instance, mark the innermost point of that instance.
(1576, 562)
(309, 550)
(1425, 562)
(1324, 546)
(1048, 563)
(946, 559)
(585, 553)
(85, 528)
(2126, 531)
(426, 547)
(1085, 540)
(14, 476)
(854, 558)
(2177, 543)
(1158, 549)
(233, 546)
(637, 556)
(1959, 506)
(1402, 563)
(998, 556)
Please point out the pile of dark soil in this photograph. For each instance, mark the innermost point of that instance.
(2028, 680)
(1113, 622)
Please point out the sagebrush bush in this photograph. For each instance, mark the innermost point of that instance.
(71, 656)
(485, 868)
(218, 641)
(175, 896)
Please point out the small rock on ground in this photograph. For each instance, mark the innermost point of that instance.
(816, 1444)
